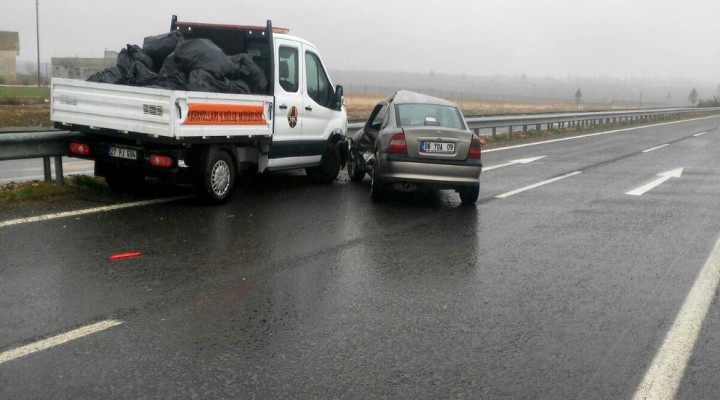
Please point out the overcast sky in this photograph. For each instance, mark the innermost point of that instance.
(557, 38)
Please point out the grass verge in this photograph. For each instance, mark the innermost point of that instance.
(36, 191)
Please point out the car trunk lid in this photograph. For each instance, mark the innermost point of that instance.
(437, 143)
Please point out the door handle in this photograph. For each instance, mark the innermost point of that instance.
(308, 108)
(282, 107)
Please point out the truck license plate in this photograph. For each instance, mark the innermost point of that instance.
(437, 147)
(119, 152)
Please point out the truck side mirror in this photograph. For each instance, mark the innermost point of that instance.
(339, 98)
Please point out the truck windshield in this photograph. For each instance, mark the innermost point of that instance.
(429, 115)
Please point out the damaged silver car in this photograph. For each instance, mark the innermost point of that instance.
(413, 141)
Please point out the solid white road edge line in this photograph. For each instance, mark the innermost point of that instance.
(663, 377)
(526, 188)
(56, 340)
(591, 135)
(66, 214)
(655, 148)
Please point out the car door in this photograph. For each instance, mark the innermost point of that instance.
(287, 136)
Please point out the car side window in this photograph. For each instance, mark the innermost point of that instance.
(318, 84)
(288, 68)
(379, 117)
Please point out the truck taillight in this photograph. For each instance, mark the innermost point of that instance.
(81, 149)
(474, 151)
(160, 161)
(397, 144)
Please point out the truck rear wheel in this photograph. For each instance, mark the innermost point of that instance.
(124, 182)
(218, 178)
(119, 178)
(329, 167)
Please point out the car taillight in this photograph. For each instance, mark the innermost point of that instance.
(474, 151)
(81, 149)
(157, 160)
(397, 144)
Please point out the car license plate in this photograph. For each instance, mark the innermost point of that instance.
(437, 147)
(119, 152)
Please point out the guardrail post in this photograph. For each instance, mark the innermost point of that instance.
(494, 132)
(58, 171)
(46, 169)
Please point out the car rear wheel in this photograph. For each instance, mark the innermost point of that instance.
(378, 188)
(469, 194)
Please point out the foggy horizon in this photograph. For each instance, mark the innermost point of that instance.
(645, 40)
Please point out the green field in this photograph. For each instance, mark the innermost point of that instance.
(24, 91)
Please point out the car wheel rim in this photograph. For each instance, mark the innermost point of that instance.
(351, 165)
(220, 178)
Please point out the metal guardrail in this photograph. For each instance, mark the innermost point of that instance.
(27, 143)
(551, 121)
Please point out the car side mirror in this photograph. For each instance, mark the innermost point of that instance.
(339, 98)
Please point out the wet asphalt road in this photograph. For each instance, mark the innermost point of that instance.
(300, 291)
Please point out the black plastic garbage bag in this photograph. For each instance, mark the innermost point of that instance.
(140, 75)
(194, 54)
(238, 86)
(129, 55)
(250, 72)
(171, 76)
(158, 47)
(203, 81)
(108, 75)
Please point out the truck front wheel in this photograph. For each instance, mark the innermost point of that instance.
(329, 167)
(218, 178)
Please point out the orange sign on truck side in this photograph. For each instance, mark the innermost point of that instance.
(225, 114)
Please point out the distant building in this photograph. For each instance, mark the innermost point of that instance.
(9, 50)
(81, 68)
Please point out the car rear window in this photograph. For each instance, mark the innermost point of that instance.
(429, 115)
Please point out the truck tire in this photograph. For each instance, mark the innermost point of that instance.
(378, 189)
(354, 171)
(469, 194)
(217, 180)
(329, 167)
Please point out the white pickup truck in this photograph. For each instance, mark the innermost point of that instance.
(209, 138)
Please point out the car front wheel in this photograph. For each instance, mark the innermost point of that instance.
(353, 167)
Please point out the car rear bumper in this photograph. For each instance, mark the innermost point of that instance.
(442, 175)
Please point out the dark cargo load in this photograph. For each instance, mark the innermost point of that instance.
(203, 54)
(129, 55)
(109, 75)
(250, 72)
(170, 61)
(158, 47)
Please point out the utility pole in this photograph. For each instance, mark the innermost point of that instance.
(37, 26)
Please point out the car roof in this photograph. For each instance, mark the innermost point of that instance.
(408, 97)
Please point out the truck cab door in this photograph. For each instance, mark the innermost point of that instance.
(319, 119)
(288, 128)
